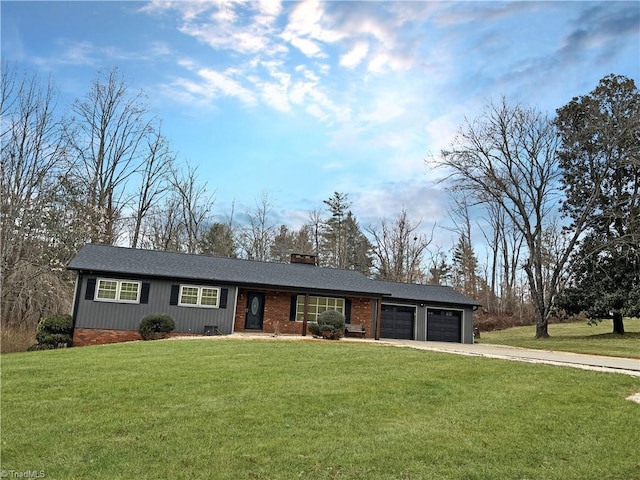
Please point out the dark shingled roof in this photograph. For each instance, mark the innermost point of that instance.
(119, 260)
(425, 293)
(287, 276)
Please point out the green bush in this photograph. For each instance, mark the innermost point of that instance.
(314, 328)
(331, 324)
(55, 331)
(59, 323)
(156, 325)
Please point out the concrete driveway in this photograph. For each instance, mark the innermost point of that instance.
(627, 366)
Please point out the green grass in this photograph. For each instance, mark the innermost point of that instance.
(269, 409)
(578, 337)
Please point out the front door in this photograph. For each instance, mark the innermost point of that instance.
(255, 311)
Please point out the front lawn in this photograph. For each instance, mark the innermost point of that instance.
(577, 337)
(269, 409)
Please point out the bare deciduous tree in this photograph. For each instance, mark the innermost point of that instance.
(507, 157)
(165, 231)
(315, 222)
(399, 248)
(110, 127)
(32, 162)
(155, 180)
(256, 238)
(195, 205)
(504, 244)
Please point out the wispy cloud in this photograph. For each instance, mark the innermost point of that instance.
(601, 27)
(338, 61)
(308, 30)
(355, 56)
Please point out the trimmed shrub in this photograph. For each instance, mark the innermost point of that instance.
(314, 328)
(331, 324)
(55, 331)
(156, 325)
(57, 324)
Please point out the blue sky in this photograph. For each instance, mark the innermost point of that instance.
(301, 99)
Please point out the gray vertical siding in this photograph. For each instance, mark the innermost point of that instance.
(421, 323)
(127, 316)
(467, 326)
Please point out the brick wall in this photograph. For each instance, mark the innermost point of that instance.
(277, 308)
(362, 313)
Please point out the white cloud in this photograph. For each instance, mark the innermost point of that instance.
(306, 29)
(300, 91)
(234, 26)
(160, 49)
(81, 53)
(275, 95)
(188, 10)
(340, 113)
(423, 201)
(382, 62)
(315, 111)
(354, 56)
(216, 83)
(386, 108)
(305, 45)
(270, 8)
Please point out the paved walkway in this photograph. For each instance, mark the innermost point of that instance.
(628, 366)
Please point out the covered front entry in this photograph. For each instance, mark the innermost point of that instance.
(444, 325)
(397, 322)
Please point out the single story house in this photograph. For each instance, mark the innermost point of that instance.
(116, 287)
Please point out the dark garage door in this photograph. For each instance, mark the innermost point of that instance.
(444, 326)
(397, 322)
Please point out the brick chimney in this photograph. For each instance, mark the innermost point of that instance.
(306, 259)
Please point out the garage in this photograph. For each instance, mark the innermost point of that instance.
(444, 326)
(397, 322)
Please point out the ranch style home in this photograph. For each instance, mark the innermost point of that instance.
(116, 287)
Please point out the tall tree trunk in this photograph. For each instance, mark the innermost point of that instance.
(618, 324)
(541, 327)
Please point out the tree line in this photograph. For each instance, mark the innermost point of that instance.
(104, 172)
(561, 203)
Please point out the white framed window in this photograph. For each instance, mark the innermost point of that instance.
(121, 291)
(317, 305)
(197, 296)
